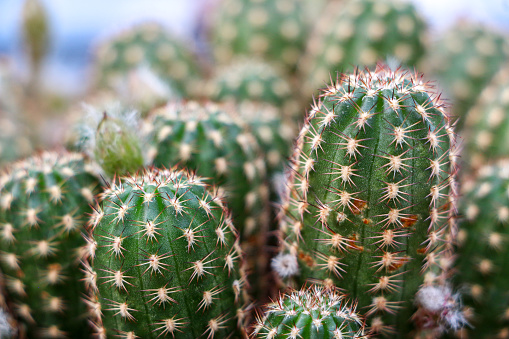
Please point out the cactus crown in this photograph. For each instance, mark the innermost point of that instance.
(371, 197)
(166, 259)
(313, 312)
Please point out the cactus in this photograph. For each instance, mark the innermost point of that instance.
(487, 124)
(213, 143)
(272, 30)
(255, 81)
(43, 200)
(371, 194)
(361, 33)
(166, 259)
(482, 269)
(464, 61)
(149, 45)
(311, 313)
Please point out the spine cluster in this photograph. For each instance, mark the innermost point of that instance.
(371, 195)
(166, 260)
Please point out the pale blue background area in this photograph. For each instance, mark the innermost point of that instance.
(78, 24)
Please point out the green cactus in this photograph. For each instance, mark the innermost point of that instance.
(166, 259)
(272, 30)
(371, 194)
(206, 139)
(487, 123)
(255, 81)
(464, 61)
(43, 202)
(149, 45)
(482, 269)
(361, 32)
(311, 313)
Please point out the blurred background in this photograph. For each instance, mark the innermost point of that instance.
(76, 26)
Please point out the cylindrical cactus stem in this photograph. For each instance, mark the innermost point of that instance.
(482, 264)
(310, 313)
(370, 205)
(166, 259)
(43, 202)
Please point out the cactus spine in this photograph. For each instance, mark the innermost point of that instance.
(166, 259)
(43, 202)
(361, 33)
(482, 266)
(311, 313)
(371, 194)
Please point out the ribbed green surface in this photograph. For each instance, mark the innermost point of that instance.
(311, 313)
(149, 44)
(272, 30)
(463, 61)
(368, 204)
(168, 260)
(43, 202)
(253, 80)
(487, 123)
(483, 264)
(361, 33)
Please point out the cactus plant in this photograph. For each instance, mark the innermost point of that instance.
(43, 204)
(482, 268)
(311, 313)
(272, 30)
(166, 259)
(149, 45)
(371, 194)
(487, 123)
(464, 61)
(255, 81)
(361, 33)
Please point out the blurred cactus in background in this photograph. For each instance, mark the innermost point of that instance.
(463, 60)
(361, 33)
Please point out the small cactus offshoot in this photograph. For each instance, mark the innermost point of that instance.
(371, 194)
(311, 313)
(166, 260)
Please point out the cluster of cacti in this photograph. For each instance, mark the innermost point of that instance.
(314, 313)
(361, 33)
(166, 260)
(149, 45)
(255, 81)
(487, 123)
(272, 30)
(43, 202)
(482, 252)
(464, 60)
(371, 194)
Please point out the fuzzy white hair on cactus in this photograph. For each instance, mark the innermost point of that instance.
(285, 265)
(5, 327)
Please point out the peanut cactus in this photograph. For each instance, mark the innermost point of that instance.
(166, 260)
(311, 313)
(151, 45)
(487, 124)
(362, 33)
(44, 200)
(482, 267)
(371, 194)
(272, 30)
(464, 61)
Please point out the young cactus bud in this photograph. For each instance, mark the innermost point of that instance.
(311, 313)
(166, 259)
(487, 124)
(36, 33)
(117, 147)
(371, 195)
(482, 264)
(43, 202)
